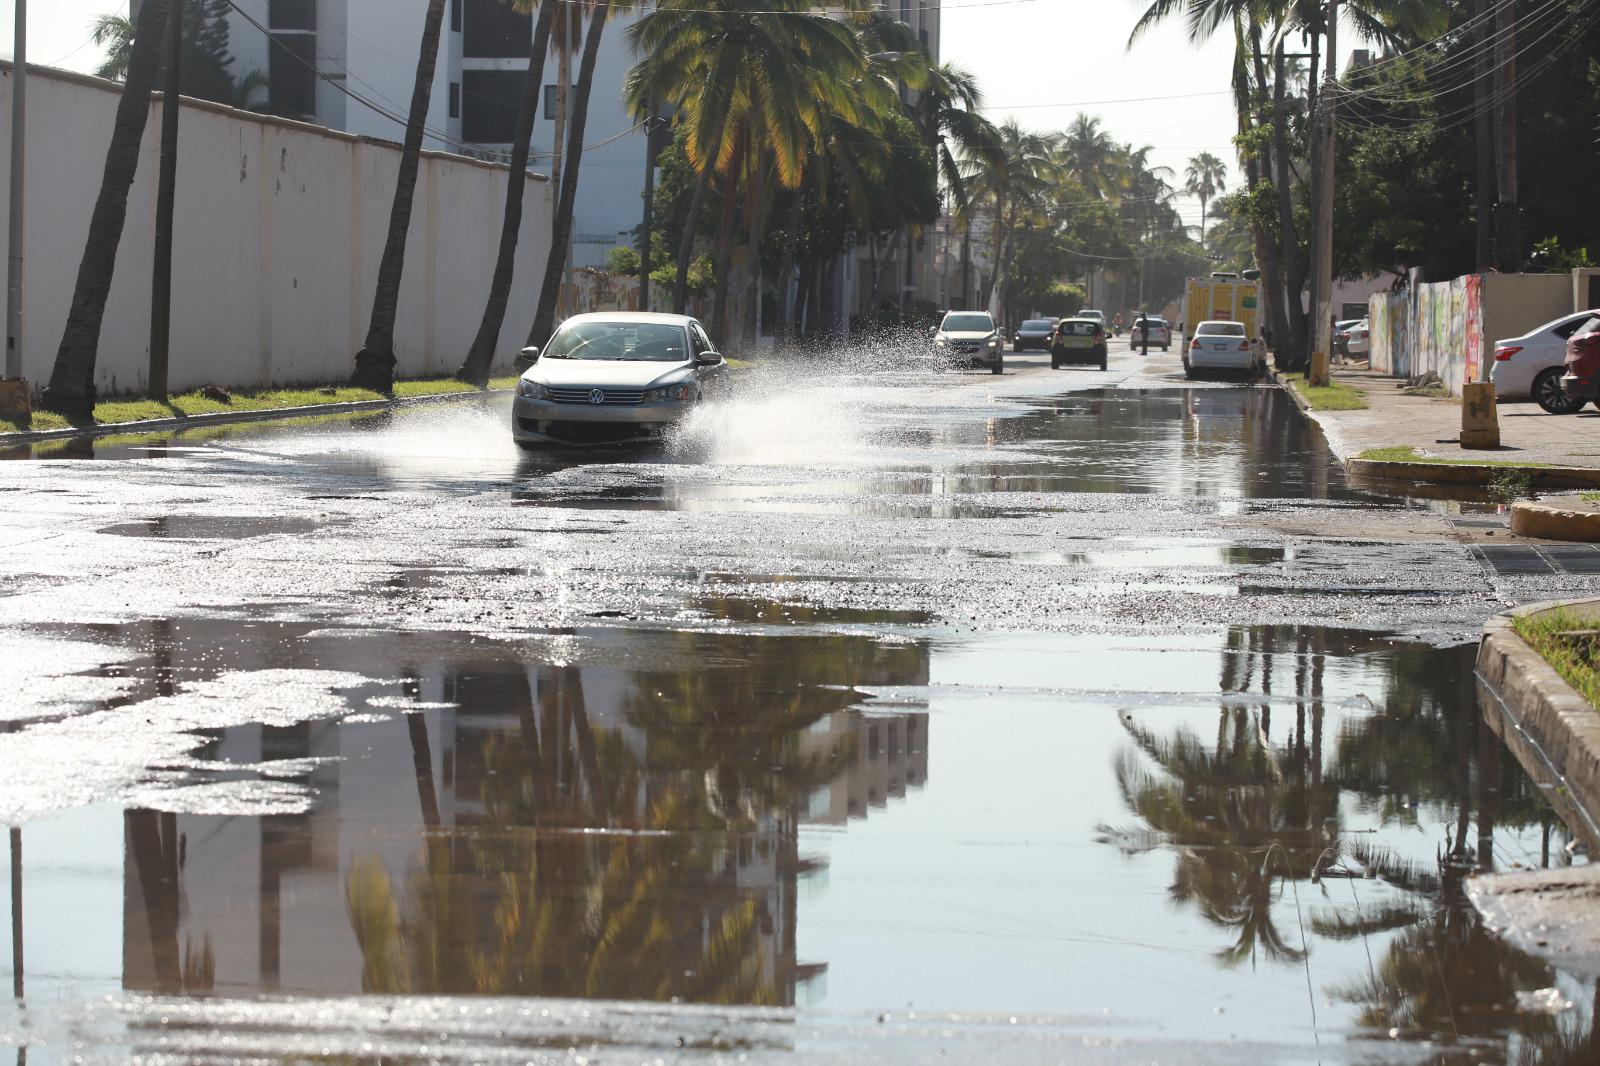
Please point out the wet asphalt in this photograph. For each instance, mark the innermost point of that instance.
(880, 714)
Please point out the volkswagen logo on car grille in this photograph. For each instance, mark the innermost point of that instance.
(596, 396)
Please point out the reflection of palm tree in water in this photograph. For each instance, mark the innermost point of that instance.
(1226, 808)
(530, 901)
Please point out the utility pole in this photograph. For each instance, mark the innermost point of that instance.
(1322, 244)
(14, 237)
(652, 147)
(1508, 212)
(166, 198)
(1483, 138)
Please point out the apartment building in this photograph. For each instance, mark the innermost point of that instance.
(350, 65)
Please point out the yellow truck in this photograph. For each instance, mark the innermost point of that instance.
(1224, 297)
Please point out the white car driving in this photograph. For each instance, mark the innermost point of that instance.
(1219, 345)
(1531, 365)
(970, 337)
(612, 377)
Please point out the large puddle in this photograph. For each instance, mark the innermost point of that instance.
(1245, 834)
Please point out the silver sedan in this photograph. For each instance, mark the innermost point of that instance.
(613, 377)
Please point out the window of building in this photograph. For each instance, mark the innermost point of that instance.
(455, 99)
(292, 14)
(455, 16)
(550, 103)
(492, 30)
(292, 75)
(489, 105)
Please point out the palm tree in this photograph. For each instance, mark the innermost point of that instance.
(114, 33)
(480, 357)
(1204, 178)
(1009, 184)
(561, 229)
(375, 361)
(740, 73)
(1088, 153)
(71, 390)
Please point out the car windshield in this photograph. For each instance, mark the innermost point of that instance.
(1078, 329)
(968, 324)
(1220, 329)
(651, 342)
(1036, 324)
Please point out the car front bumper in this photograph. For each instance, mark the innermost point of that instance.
(978, 356)
(544, 419)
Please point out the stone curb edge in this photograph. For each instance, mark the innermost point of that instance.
(1549, 477)
(223, 418)
(1544, 720)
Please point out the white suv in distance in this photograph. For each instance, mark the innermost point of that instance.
(1160, 333)
(970, 338)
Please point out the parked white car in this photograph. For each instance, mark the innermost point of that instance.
(1218, 346)
(1358, 341)
(615, 377)
(1530, 366)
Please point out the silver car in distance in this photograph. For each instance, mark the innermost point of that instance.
(612, 377)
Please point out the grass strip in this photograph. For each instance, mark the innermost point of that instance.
(1333, 396)
(1405, 453)
(115, 411)
(1573, 657)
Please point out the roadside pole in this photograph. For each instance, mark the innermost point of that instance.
(14, 397)
(1322, 259)
(166, 197)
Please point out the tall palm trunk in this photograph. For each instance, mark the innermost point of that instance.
(375, 360)
(480, 357)
(561, 232)
(1293, 270)
(71, 390)
(758, 227)
(724, 250)
(565, 41)
(789, 288)
(697, 204)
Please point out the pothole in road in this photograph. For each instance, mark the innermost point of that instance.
(215, 527)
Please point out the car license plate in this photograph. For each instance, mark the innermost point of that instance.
(1078, 342)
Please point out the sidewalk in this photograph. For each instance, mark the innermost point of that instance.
(1432, 427)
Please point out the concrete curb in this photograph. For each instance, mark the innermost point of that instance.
(1294, 394)
(1547, 477)
(1547, 724)
(224, 418)
(1548, 521)
(1554, 733)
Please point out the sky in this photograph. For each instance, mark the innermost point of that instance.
(1043, 61)
(1038, 61)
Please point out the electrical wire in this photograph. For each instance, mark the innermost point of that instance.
(1471, 112)
(1554, 15)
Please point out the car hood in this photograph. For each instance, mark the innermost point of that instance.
(968, 334)
(618, 373)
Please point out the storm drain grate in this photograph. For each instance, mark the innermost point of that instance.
(1513, 560)
(1575, 558)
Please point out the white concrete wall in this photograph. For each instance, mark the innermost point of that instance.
(279, 230)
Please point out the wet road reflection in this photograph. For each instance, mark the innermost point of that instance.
(1181, 831)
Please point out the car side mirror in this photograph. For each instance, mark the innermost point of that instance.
(530, 354)
(708, 358)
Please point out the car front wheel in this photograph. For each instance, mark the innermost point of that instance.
(1549, 395)
(999, 364)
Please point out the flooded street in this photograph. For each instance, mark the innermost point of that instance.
(878, 716)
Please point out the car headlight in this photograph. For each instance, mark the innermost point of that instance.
(994, 342)
(680, 391)
(940, 341)
(531, 390)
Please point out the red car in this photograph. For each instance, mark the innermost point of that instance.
(1581, 382)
